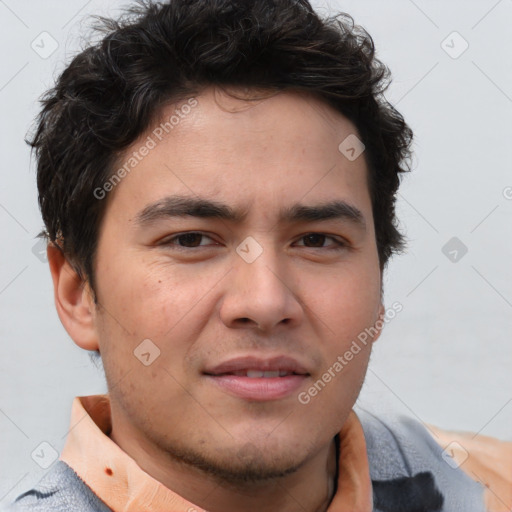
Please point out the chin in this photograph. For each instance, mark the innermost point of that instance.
(247, 464)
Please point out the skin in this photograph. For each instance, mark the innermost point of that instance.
(204, 304)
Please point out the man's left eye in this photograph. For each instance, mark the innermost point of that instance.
(317, 240)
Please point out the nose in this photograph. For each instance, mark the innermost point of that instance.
(260, 295)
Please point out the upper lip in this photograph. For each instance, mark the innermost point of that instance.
(279, 363)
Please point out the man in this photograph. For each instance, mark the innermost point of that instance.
(217, 181)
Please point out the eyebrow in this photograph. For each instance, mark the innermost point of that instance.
(184, 206)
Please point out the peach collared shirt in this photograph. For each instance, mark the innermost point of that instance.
(120, 483)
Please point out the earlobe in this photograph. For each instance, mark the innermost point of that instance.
(73, 300)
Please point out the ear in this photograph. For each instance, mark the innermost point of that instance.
(379, 322)
(73, 300)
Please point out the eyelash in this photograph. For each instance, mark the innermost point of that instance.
(338, 244)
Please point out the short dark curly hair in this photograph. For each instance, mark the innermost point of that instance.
(162, 52)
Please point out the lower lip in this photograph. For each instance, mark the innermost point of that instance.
(259, 389)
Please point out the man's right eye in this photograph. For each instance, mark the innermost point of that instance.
(187, 240)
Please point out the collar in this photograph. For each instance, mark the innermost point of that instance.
(120, 483)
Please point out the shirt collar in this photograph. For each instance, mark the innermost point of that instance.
(120, 483)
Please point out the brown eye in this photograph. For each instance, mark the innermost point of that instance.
(317, 241)
(188, 240)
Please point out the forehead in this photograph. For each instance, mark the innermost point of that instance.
(296, 120)
(268, 151)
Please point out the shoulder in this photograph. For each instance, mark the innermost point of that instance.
(485, 459)
(405, 458)
(61, 489)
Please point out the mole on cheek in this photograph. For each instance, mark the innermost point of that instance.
(109, 471)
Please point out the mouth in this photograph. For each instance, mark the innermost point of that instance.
(256, 379)
(261, 374)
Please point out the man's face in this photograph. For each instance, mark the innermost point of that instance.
(218, 316)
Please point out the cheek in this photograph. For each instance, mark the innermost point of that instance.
(148, 298)
(346, 302)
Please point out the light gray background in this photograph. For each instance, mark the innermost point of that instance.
(444, 359)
